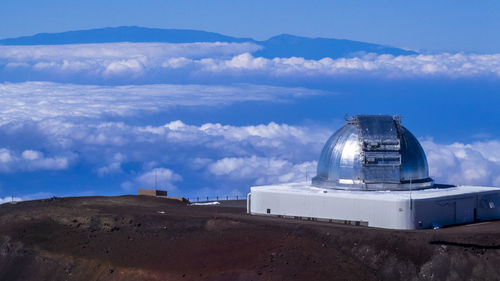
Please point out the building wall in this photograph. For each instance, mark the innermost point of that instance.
(458, 209)
(438, 212)
(488, 206)
(386, 214)
(378, 211)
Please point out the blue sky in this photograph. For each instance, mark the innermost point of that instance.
(426, 25)
(214, 118)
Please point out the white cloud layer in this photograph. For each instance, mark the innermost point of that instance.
(123, 51)
(452, 65)
(176, 150)
(9, 199)
(31, 160)
(237, 156)
(27, 197)
(262, 170)
(113, 143)
(160, 178)
(163, 62)
(464, 164)
(41, 100)
(51, 126)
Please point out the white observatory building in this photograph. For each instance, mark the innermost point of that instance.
(373, 172)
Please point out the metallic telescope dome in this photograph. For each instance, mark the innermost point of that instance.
(373, 152)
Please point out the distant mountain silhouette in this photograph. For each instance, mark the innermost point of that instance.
(278, 46)
(286, 45)
(122, 34)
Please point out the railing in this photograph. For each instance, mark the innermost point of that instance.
(215, 198)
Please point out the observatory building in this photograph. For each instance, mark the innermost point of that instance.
(373, 172)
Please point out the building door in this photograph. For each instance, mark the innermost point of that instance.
(464, 210)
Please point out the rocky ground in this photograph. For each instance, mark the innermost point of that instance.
(147, 238)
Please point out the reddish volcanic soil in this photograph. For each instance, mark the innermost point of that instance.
(130, 238)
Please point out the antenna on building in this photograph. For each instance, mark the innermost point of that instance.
(156, 179)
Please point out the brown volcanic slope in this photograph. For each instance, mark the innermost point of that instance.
(128, 238)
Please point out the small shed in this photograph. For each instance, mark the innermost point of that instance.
(151, 192)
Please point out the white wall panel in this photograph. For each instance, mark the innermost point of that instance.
(395, 210)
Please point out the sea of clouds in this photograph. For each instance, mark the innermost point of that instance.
(69, 106)
(42, 100)
(258, 154)
(202, 62)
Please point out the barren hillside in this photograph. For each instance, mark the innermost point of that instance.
(146, 238)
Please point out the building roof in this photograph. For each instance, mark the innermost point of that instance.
(306, 188)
